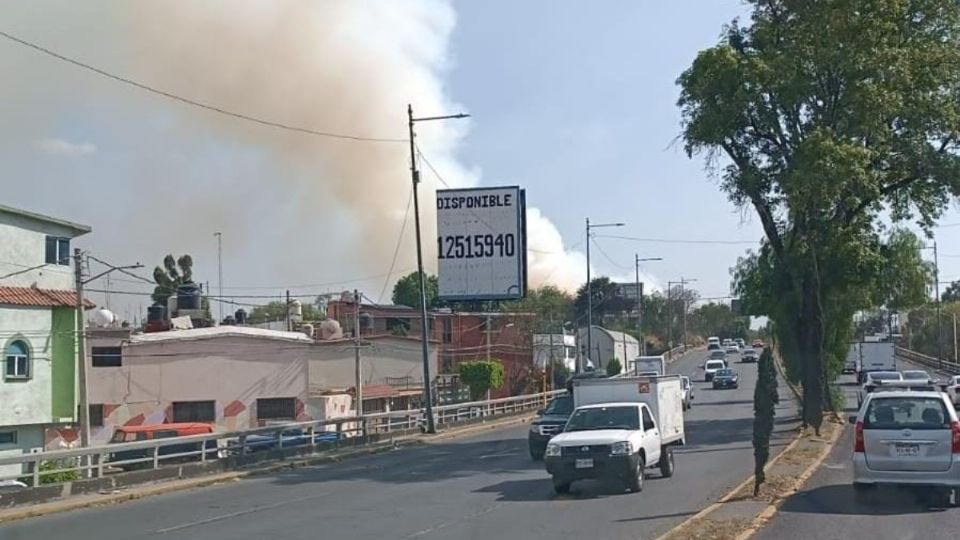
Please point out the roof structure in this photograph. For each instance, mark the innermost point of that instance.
(36, 297)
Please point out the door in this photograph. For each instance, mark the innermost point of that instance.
(651, 436)
(907, 434)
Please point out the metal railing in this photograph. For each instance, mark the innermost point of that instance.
(952, 368)
(318, 435)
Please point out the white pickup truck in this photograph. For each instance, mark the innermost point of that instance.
(619, 428)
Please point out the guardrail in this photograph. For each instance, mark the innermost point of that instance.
(96, 461)
(952, 368)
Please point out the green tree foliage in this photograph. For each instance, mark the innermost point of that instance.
(481, 376)
(765, 400)
(277, 311)
(952, 293)
(715, 319)
(170, 276)
(406, 292)
(606, 300)
(551, 307)
(614, 367)
(822, 115)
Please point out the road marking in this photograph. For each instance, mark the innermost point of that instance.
(445, 524)
(501, 454)
(222, 517)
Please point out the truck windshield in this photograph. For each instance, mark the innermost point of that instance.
(604, 418)
(560, 406)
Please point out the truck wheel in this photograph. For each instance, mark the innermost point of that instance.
(666, 461)
(561, 487)
(635, 482)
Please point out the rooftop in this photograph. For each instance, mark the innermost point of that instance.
(35, 297)
(77, 228)
(220, 331)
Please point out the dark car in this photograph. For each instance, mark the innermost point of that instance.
(749, 355)
(291, 437)
(726, 378)
(551, 422)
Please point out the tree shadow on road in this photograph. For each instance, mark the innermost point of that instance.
(839, 500)
(536, 489)
(729, 431)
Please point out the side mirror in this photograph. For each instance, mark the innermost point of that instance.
(852, 419)
(539, 412)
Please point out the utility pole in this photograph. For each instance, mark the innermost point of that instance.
(288, 311)
(590, 291)
(357, 368)
(219, 236)
(936, 272)
(415, 177)
(955, 339)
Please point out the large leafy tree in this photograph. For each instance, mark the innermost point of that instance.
(170, 276)
(406, 292)
(952, 293)
(277, 311)
(550, 307)
(606, 300)
(820, 116)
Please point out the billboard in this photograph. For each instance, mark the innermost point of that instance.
(481, 243)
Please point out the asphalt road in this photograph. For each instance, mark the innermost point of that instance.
(478, 487)
(825, 509)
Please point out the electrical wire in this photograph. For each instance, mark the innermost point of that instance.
(396, 249)
(680, 241)
(607, 257)
(195, 103)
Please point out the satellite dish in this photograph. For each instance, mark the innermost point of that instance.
(103, 317)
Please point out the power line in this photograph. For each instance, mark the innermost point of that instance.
(396, 250)
(195, 103)
(680, 241)
(607, 257)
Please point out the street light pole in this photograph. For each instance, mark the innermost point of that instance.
(936, 273)
(415, 177)
(590, 291)
(219, 236)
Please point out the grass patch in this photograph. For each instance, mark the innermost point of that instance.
(711, 529)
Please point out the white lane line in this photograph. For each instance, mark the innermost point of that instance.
(501, 454)
(222, 517)
(445, 524)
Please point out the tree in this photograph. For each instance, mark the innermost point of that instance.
(765, 400)
(614, 367)
(406, 292)
(551, 307)
(481, 376)
(825, 115)
(714, 319)
(169, 278)
(952, 294)
(277, 311)
(606, 300)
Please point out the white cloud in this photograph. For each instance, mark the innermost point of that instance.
(65, 148)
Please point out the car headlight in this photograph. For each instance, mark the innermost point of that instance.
(622, 448)
(553, 450)
(535, 428)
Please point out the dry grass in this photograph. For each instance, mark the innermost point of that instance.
(800, 456)
(777, 486)
(711, 529)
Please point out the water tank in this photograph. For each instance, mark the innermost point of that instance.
(307, 329)
(241, 316)
(228, 321)
(366, 322)
(295, 309)
(330, 329)
(188, 296)
(103, 317)
(156, 313)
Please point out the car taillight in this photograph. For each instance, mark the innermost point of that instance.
(955, 428)
(858, 446)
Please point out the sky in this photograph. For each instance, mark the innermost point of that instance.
(576, 105)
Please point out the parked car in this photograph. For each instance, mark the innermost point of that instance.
(160, 431)
(726, 378)
(711, 367)
(907, 439)
(871, 381)
(687, 391)
(749, 355)
(290, 438)
(550, 422)
(915, 375)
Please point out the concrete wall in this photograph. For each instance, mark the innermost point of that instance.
(28, 438)
(331, 364)
(27, 401)
(23, 242)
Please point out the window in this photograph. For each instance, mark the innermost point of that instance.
(58, 251)
(447, 330)
(647, 421)
(8, 437)
(106, 356)
(96, 415)
(277, 409)
(194, 411)
(17, 364)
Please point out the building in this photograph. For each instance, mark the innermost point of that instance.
(564, 350)
(238, 377)
(37, 327)
(608, 344)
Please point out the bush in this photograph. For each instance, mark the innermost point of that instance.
(56, 477)
(765, 400)
(614, 367)
(481, 377)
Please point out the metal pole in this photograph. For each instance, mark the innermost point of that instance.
(589, 305)
(288, 311)
(955, 339)
(936, 271)
(219, 236)
(415, 177)
(636, 265)
(357, 369)
(643, 342)
(81, 354)
(669, 318)
(683, 302)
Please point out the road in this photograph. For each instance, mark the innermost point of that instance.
(825, 509)
(479, 487)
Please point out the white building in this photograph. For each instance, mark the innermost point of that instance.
(564, 349)
(37, 328)
(608, 344)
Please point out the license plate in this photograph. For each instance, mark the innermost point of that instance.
(907, 450)
(584, 464)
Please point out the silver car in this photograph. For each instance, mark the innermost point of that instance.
(915, 375)
(907, 438)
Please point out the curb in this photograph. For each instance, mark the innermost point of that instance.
(172, 486)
